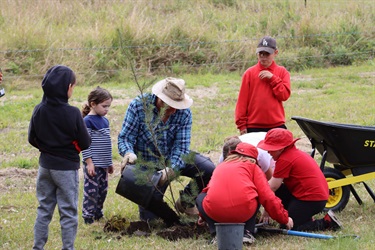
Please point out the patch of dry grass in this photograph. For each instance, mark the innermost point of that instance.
(178, 36)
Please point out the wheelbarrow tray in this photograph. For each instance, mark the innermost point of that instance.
(347, 145)
(351, 150)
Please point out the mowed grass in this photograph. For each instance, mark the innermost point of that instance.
(343, 95)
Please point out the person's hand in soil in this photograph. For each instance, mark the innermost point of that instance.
(201, 222)
(265, 218)
(290, 223)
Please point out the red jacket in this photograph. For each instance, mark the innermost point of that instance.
(259, 103)
(302, 175)
(235, 190)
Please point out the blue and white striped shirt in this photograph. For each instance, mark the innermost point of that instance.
(100, 150)
(172, 138)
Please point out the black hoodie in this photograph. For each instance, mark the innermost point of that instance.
(56, 128)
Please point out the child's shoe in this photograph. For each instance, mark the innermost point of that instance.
(213, 241)
(248, 238)
(332, 222)
(98, 217)
(88, 221)
(186, 208)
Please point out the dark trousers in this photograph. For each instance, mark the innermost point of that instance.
(302, 211)
(95, 190)
(200, 173)
(249, 224)
(250, 130)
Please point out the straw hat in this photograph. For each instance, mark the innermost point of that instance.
(172, 91)
(276, 139)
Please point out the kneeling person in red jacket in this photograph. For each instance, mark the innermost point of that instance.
(298, 181)
(235, 192)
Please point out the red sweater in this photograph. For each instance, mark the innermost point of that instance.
(235, 190)
(302, 175)
(259, 103)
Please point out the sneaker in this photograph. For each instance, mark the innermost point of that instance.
(333, 222)
(88, 220)
(213, 241)
(98, 217)
(179, 206)
(248, 238)
(190, 211)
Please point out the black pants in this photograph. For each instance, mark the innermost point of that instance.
(249, 224)
(302, 211)
(200, 172)
(250, 130)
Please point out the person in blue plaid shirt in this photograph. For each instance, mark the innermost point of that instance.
(166, 137)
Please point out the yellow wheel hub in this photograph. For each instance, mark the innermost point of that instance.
(335, 195)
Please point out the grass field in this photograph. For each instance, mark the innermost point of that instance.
(343, 94)
(328, 45)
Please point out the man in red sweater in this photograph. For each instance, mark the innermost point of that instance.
(265, 86)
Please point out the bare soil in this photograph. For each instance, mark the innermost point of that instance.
(22, 179)
(141, 228)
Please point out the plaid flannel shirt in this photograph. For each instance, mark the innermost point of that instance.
(139, 137)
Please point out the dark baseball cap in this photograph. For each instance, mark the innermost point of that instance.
(267, 44)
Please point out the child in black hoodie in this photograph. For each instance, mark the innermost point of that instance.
(58, 131)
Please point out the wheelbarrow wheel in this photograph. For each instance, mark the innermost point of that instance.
(339, 196)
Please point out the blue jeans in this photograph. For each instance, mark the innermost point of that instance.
(200, 172)
(56, 187)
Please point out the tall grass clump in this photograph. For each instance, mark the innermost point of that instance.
(167, 37)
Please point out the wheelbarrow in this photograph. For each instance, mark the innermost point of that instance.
(351, 151)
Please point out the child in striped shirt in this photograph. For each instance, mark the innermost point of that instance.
(97, 159)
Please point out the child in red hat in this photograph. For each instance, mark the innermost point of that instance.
(298, 181)
(235, 192)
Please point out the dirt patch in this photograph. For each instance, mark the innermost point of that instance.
(304, 144)
(192, 231)
(200, 92)
(300, 78)
(18, 172)
(120, 225)
(21, 179)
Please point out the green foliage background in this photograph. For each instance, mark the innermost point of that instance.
(177, 36)
(327, 45)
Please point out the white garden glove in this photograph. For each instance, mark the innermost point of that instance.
(167, 174)
(128, 158)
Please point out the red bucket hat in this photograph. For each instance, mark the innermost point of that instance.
(276, 139)
(246, 149)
